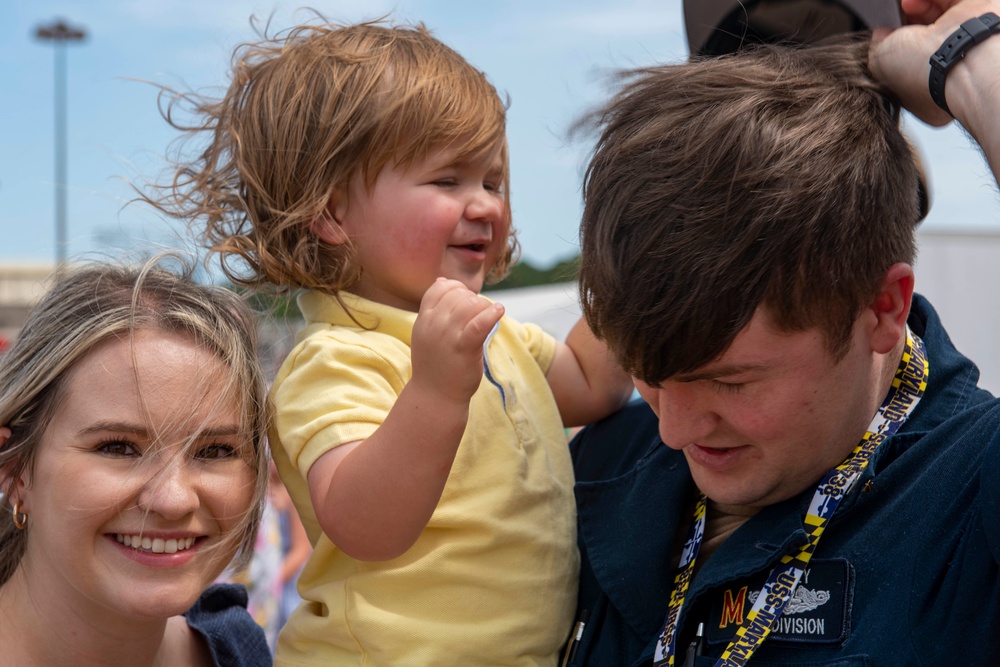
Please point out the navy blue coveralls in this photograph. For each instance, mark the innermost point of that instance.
(907, 572)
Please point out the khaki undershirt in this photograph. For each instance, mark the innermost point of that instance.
(721, 521)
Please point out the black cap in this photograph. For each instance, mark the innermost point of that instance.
(715, 27)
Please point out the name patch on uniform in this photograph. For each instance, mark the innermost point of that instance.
(816, 614)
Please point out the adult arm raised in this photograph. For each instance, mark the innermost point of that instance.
(901, 61)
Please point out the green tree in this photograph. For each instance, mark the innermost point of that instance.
(524, 274)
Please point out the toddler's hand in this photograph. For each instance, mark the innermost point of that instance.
(448, 336)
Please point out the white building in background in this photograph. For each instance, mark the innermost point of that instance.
(959, 272)
(22, 284)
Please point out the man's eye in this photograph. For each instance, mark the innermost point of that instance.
(213, 452)
(118, 448)
(727, 387)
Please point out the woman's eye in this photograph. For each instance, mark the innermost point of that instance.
(120, 448)
(213, 452)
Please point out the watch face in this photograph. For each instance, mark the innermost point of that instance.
(716, 27)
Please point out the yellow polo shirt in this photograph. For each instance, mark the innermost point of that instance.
(492, 578)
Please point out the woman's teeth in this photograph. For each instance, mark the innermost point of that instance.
(155, 544)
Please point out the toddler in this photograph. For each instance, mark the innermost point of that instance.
(419, 432)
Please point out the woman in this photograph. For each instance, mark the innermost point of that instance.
(133, 461)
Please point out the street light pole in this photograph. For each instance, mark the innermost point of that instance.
(59, 33)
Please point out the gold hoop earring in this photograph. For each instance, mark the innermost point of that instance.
(20, 518)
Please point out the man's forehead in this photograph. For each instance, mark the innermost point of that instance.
(760, 346)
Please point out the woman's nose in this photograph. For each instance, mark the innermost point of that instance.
(172, 492)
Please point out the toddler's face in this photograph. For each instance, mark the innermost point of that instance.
(438, 217)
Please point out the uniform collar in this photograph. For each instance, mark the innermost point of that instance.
(627, 531)
(953, 379)
(630, 548)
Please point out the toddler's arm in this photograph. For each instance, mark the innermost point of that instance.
(586, 381)
(373, 497)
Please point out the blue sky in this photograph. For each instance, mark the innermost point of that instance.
(551, 58)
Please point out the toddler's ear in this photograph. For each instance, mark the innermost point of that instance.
(328, 230)
(327, 227)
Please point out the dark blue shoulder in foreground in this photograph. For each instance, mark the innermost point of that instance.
(220, 615)
(612, 446)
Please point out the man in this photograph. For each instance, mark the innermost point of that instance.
(816, 478)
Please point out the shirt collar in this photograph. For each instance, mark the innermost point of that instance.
(355, 312)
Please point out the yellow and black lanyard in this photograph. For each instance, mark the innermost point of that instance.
(908, 386)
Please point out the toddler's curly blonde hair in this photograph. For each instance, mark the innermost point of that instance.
(307, 111)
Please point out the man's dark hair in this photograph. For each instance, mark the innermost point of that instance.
(773, 178)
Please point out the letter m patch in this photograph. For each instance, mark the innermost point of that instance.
(732, 608)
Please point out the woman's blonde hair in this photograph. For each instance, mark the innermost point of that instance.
(90, 305)
(307, 111)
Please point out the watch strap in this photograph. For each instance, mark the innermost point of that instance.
(970, 33)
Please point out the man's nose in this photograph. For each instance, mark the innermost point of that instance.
(685, 414)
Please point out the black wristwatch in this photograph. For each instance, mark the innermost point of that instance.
(954, 48)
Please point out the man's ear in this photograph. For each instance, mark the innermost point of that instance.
(327, 227)
(891, 307)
